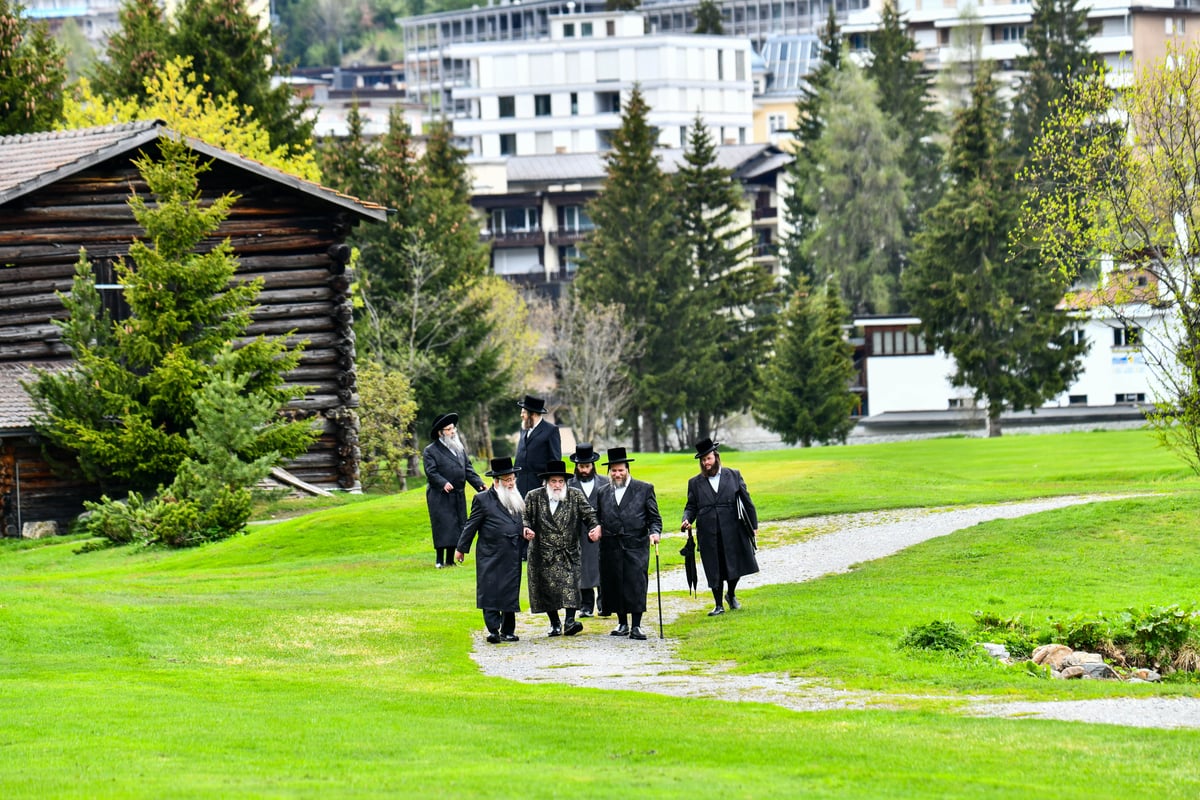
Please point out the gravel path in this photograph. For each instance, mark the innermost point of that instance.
(595, 659)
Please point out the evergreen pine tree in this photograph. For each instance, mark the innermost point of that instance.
(346, 163)
(805, 396)
(708, 18)
(633, 259)
(1056, 43)
(32, 73)
(804, 170)
(136, 50)
(729, 302)
(993, 314)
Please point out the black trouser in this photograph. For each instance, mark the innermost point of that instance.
(722, 572)
(499, 621)
(588, 598)
(445, 555)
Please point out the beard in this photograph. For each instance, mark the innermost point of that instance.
(557, 495)
(511, 499)
(713, 470)
(619, 483)
(453, 443)
(583, 473)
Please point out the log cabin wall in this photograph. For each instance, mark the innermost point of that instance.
(291, 239)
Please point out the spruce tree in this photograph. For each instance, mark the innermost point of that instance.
(993, 313)
(803, 173)
(137, 50)
(805, 395)
(729, 313)
(1056, 43)
(129, 404)
(32, 73)
(634, 259)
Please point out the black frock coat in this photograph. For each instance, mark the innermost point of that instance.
(625, 532)
(498, 562)
(716, 512)
(589, 551)
(534, 454)
(448, 510)
(554, 557)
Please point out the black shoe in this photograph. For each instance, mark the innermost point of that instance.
(439, 565)
(509, 637)
(733, 602)
(493, 638)
(573, 627)
(636, 632)
(585, 615)
(604, 614)
(555, 630)
(620, 630)
(716, 611)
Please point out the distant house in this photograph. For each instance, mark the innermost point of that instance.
(66, 191)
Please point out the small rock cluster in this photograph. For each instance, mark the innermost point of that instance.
(1066, 663)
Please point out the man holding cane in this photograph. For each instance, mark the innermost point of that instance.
(630, 524)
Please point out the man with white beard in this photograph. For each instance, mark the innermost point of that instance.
(555, 516)
(448, 470)
(497, 515)
(629, 524)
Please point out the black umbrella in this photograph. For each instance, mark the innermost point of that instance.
(689, 562)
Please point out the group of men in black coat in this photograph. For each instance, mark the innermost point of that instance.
(630, 524)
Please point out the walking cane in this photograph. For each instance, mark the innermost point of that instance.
(658, 577)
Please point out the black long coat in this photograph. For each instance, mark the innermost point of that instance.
(498, 562)
(625, 532)
(714, 513)
(554, 552)
(589, 551)
(448, 510)
(534, 453)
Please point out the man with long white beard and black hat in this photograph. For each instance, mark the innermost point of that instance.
(725, 541)
(497, 515)
(588, 481)
(555, 516)
(448, 470)
(629, 525)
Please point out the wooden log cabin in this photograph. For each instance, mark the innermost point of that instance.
(65, 191)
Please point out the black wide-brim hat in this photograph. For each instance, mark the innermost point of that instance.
(705, 446)
(555, 468)
(441, 422)
(584, 454)
(535, 405)
(616, 455)
(501, 466)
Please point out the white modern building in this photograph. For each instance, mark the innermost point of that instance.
(565, 93)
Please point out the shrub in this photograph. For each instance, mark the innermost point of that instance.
(942, 635)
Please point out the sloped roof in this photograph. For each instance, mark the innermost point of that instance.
(16, 407)
(744, 160)
(31, 161)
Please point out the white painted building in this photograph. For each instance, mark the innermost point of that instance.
(565, 93)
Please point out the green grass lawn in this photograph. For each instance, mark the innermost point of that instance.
(323, 656)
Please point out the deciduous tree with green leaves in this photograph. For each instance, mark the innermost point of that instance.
(32, 73)
(805, 395)
(128, 405)
(992, 312)
(1116, 180)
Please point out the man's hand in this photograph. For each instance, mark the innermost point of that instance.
(594, 534)
(448, 488)
(529, 534)
(458, 557)
(654, 538)
(685, 526)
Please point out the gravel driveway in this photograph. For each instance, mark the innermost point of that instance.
(595, 659)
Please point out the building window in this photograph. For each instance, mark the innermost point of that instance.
(1012, 33)
(569, 30)
(541, 105)
(574, 104)
(585, 29)
(1132, 397)
(574, 219)
(608, 102)
(1078, 336)
(1077, 400)
(776, 122)
(898, 342)
(508, 144)
(859, 42)
(522, 219)
(568, 257)
(610, 28)
(1129, 336)
(508, 106)
(604, 140)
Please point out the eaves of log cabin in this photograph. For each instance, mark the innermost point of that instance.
(66, 191)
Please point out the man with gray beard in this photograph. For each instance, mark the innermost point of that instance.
(448, 470)
(629, 524)
(555, 517)
(497, 516)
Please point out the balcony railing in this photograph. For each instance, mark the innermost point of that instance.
(766, 212)
(569, 236)
(534, 238)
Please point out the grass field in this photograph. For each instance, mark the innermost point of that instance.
(323, 656)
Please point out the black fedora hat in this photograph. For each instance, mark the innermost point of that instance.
(441, 422)
(501, 466)
(584, 454)
(705, 446)
(535, 405)
(555, 468)
(616, 455)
